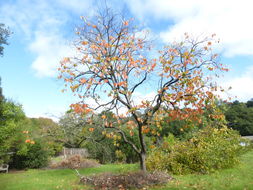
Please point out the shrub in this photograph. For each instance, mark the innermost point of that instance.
(35, 156)
(75, 162)
(138, 180)
(208, 150)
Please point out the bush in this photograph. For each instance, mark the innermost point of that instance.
(126, 181)
(75, 162)
(208, 150)
(35, 156)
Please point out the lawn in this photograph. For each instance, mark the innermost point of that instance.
(240, 177)
(64, 179)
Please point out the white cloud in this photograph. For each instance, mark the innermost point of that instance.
(50, 50)
(77, 6)
(163, 9)
(44, 26)
(229, 19)
(242, 86)
(25, 17)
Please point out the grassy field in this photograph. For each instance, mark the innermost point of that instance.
(240, 177)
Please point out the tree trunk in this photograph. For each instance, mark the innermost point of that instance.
(143, 161)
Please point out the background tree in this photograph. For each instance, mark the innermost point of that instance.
(249, 103)
(78, 133)
(22, 144)
(4, 34)
(11, 136)
(1, 101)
(48, 133)
(73, 129)
(113, 65)
(239, 116)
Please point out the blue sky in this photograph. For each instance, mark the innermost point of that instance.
(43, 31)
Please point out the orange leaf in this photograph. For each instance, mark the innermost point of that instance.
(84, 43)
(126, 23)
(83, 80)
(153, 66)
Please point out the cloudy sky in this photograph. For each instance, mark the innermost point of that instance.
(44, 29)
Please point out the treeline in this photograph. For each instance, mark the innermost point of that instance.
(239, 117)
(30, 142)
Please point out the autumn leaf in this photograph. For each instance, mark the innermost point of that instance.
(91, 129)
(103, 116)
(83, 81)
(84, 43)
(74, 87)
(66, 59)
(126, 23)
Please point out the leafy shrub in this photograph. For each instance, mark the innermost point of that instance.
(208, 150)
(75, 162)
(126, 181)
(35, 156)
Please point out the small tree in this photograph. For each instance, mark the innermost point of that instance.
(113, 65)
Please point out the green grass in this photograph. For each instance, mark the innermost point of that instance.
(64, 179)
(240, 177)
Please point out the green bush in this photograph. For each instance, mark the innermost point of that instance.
(208, 150)
(35, 156)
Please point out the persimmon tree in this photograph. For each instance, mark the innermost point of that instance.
(113, 64)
